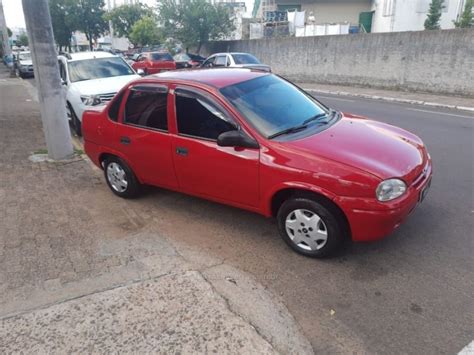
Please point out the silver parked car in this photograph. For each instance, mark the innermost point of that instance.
(24, 64)
(234, 60)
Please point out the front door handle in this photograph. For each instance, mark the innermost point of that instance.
(125, 140)
(182, 151)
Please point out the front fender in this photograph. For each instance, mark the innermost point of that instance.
(297, 185)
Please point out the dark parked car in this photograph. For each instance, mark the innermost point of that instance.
(235, 60)
(188, 60)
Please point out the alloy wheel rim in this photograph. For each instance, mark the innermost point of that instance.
(306, 229)
(117, 177)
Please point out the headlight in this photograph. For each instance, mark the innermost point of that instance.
(390, 189)
(91, 100)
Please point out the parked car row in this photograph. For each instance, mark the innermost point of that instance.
(93, 78)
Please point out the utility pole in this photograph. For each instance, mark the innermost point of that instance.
(7, 51)
(111, 28)
(50, 94)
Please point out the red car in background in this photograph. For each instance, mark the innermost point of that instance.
(154, 62)
(253, 140)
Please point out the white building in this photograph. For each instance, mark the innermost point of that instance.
(410, 15)
(375, 15)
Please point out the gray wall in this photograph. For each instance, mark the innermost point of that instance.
(430, 61)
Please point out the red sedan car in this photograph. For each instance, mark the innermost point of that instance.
(154, 62)
(252, 140)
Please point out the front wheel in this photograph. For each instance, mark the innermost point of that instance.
(310, 228)
(120, 178)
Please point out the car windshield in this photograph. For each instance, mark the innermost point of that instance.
(97, 68)
(24, 56)
(244, 58)
(184, 57)
(271, 104)
(161, 56)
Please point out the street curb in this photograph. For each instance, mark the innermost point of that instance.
(391, 99)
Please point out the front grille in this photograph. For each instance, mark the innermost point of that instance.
(422, 176)
(107, 97)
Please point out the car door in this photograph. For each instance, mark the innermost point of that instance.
(142, 135)
(227, 174)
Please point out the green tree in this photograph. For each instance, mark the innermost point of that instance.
(145, 32)
(64, 24)
(22, 40)
(194, 22)
(467, 18)
(88, 16)
(9, 32)
(124, 17)
(434, 15)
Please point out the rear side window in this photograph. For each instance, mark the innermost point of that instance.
(161, 56)
(220, 61)
(198, 117)
(147, 108)
(115, 107)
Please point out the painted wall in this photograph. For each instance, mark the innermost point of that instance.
(430, 61)
(330, 11)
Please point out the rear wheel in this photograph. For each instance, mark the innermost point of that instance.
(310, 228)
(120, 178)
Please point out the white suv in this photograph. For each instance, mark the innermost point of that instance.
(91, 79)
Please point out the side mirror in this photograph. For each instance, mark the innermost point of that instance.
(236, 138)
(141, 72)
(63, 82)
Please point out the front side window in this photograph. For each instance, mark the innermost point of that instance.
(199, 117)
(271, 104)
(208, 63)
(97, 68)
(147, 108)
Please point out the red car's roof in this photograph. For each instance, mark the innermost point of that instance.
(218, 78)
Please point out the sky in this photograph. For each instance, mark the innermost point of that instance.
(14, 11)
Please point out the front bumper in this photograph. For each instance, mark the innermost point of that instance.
(371, 220)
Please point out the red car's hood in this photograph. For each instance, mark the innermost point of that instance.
(375, 147)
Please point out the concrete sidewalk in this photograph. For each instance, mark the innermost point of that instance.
(451, 102)
(84, 271)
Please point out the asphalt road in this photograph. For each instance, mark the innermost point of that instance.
(410, 293)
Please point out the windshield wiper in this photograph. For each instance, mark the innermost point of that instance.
(300, 127)
(288, 131)
(311, 119)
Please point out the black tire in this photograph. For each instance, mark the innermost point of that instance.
(76, 124)
(133, 186)
(334, 225)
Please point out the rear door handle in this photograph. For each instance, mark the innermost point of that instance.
(182, 151)
(125, 140)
